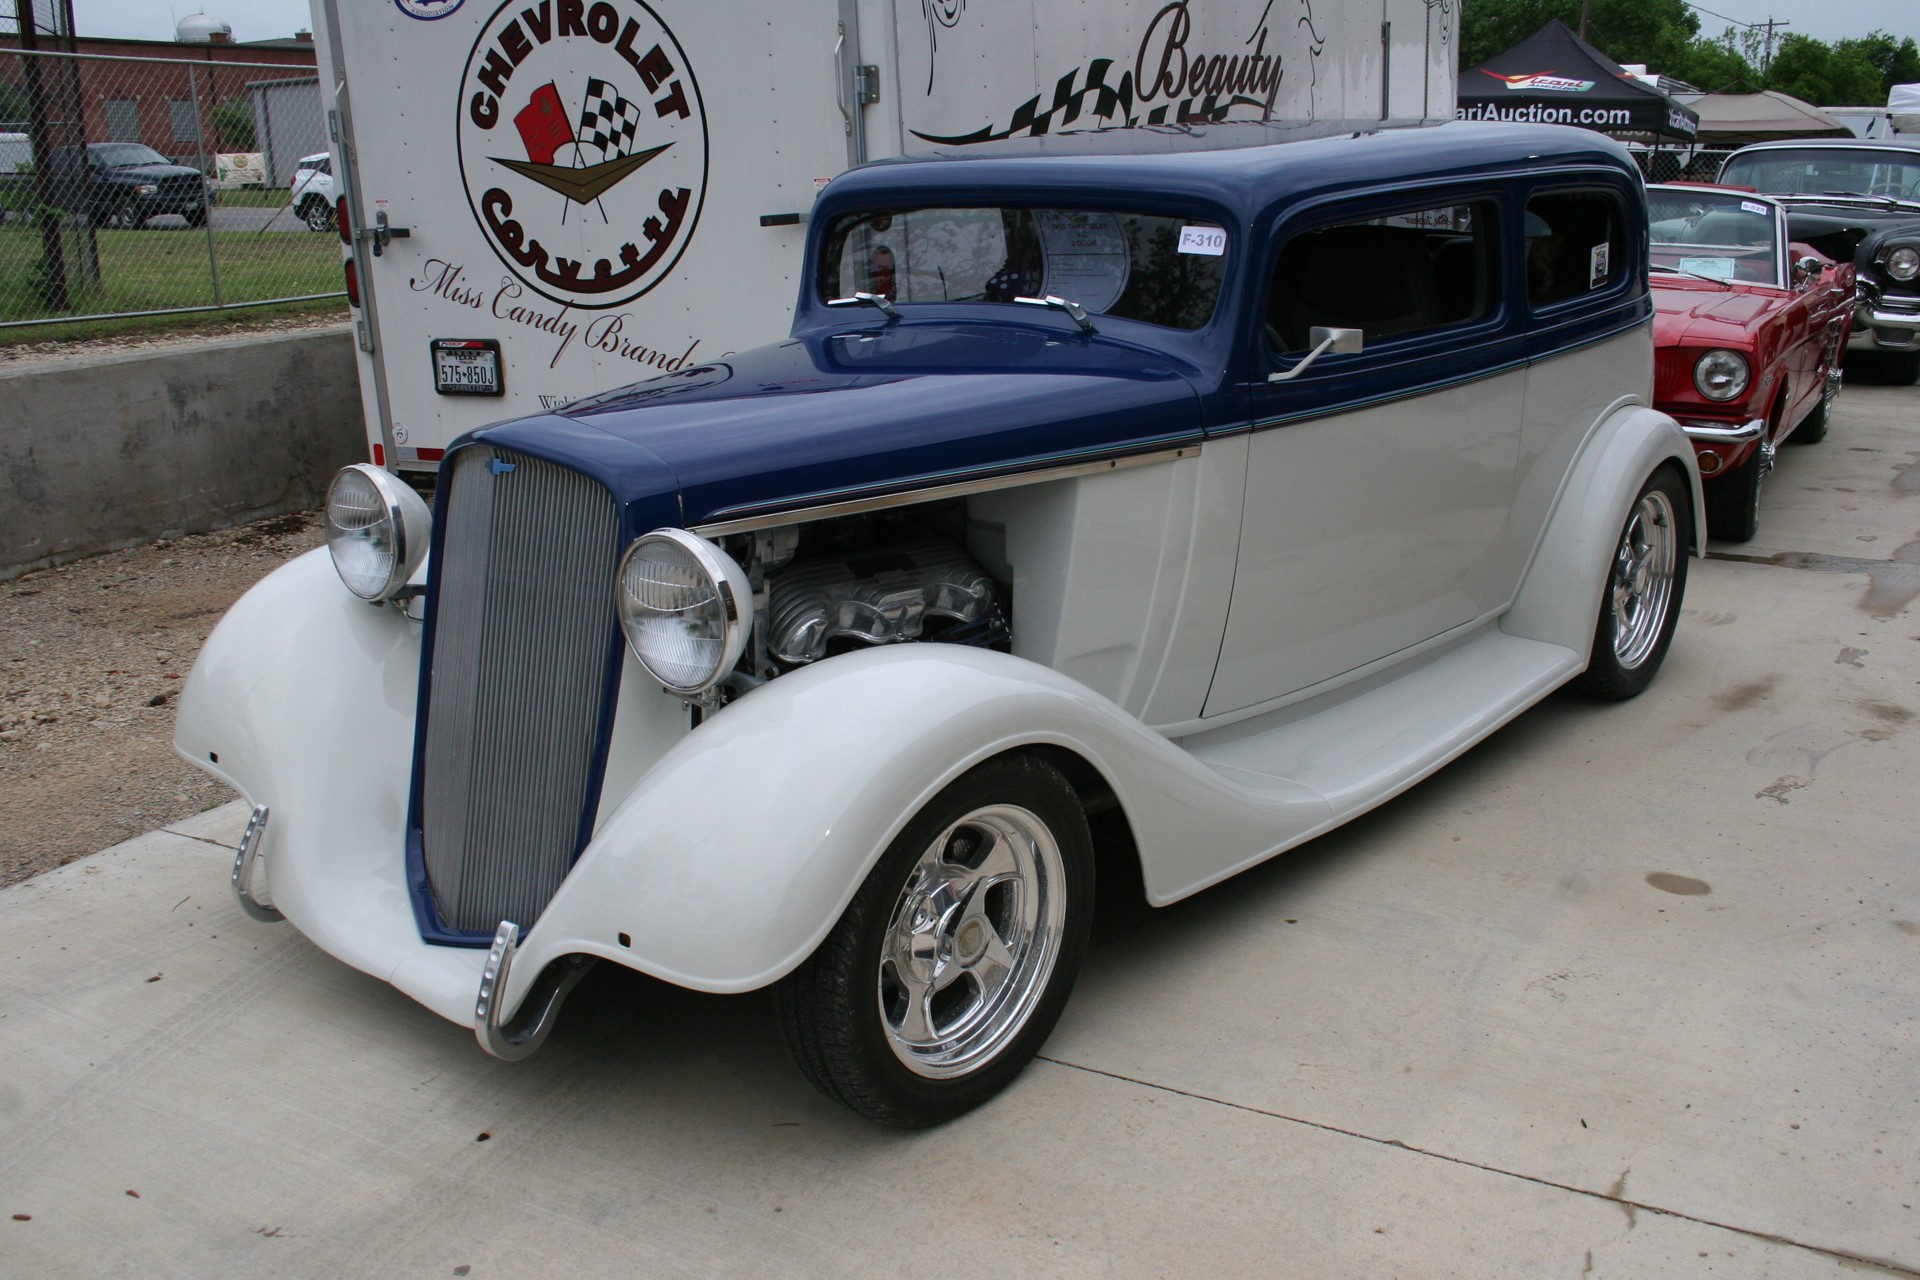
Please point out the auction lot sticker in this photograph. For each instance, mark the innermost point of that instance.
(583, 147)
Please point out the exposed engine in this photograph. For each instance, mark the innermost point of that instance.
(886, 578)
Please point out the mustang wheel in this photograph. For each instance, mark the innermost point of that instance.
(1641, 604)
(1813, 427)
(952, 963)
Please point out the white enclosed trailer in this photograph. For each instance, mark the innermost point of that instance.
(550, 198)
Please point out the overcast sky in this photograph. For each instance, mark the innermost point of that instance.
(268, 19)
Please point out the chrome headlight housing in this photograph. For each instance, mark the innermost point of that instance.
(1903, 264)
(378, 529)
(1721, 375)
(686, 609)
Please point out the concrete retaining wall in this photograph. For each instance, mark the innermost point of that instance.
(99, 452)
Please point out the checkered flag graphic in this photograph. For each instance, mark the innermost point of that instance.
(608, 121)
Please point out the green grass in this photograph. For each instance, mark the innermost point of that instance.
(158, 269)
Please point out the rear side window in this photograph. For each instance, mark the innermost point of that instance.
(1387, 276)
(1575, 245)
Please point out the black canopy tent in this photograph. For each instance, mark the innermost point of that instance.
(1555, 77)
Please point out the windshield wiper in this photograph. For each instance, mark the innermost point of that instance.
(871, 299)
(1676, 271)
(1074, 310)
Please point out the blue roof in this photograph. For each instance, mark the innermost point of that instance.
(1238, 179)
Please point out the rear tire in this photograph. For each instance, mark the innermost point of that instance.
(1641, 604)
(949, 968)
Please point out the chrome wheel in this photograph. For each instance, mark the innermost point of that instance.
(1643, 579)
(972, 941)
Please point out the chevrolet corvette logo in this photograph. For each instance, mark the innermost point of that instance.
(603, 196)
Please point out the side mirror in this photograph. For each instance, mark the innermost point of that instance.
(1339, 341)
(1810, 266)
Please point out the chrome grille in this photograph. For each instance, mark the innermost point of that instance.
(519, 673)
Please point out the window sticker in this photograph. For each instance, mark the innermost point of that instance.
(1754, 206)
(1712, 268)
(1086, 256)
(1597, 266)
(1211, 241)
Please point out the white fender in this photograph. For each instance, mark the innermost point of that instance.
(731, 859)
(1559, 599)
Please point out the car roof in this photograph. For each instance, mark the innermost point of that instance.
(1244, 178)
(1831, 144)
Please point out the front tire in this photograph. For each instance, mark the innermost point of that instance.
(1733, 499)
(949, 968)
(1641, 604)
(317, 214)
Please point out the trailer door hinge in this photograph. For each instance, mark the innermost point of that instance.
(866, 84)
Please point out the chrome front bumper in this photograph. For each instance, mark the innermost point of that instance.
(1725, 433)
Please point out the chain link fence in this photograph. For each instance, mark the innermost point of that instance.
(152, 186)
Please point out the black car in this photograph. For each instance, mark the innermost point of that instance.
(126, 183)
(1854, 199)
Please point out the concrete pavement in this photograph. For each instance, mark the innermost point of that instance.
(1628, 991)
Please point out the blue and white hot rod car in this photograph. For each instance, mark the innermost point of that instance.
(1197, 502)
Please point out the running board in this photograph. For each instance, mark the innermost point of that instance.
(1360, 746)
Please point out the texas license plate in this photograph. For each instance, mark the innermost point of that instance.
(467, 367)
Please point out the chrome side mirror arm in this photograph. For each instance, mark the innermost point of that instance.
(1339, 341)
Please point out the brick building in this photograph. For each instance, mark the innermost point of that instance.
(161, 92)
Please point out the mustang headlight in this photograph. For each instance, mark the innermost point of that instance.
(1721, 375)
(377, 529)
(1903, 264)
(686, 608)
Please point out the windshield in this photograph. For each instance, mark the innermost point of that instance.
(1160, 270)
(1858, 171)
(124, 155)
(1718, 234)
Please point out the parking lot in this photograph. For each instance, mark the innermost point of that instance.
(1627, 991)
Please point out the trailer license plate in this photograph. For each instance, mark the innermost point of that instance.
(467, 367)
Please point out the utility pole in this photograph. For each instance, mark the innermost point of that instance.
(1584, 6)
(1766, 58)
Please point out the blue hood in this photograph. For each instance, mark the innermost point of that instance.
(868, 409)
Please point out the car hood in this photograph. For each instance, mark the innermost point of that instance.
(150, 172)
(1692, 311)
(867, 410)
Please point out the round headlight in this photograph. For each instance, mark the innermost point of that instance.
(377, 530)
(686, 608)
(1903, 264)
(1721, 375)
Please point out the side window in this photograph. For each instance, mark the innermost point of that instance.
(1402, 273)
(1575, 245)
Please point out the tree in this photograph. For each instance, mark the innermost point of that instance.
(233, 125)
(1656, 32)
(1819, 73)
(1717, 66)
(1896, 63)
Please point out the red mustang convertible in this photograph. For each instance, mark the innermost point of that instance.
(1748, 334)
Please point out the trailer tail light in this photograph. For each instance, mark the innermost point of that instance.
(340, 220)
(353, 282)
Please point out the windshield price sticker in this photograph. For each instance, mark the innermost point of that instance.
(1754, 206)
(1211, 241)
(467, 367)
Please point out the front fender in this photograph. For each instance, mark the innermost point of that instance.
(1559, 599)
(730, 860)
